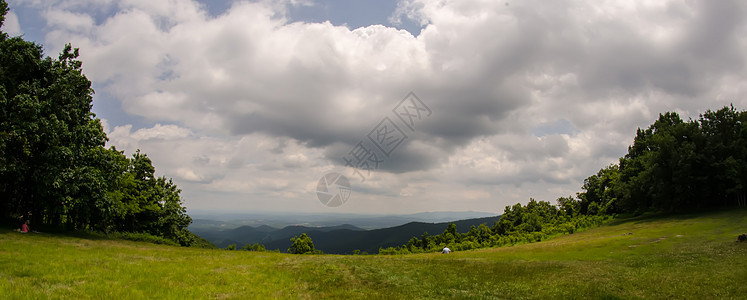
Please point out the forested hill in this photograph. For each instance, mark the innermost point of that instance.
(243, 235)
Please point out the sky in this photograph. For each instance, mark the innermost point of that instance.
(448, 105)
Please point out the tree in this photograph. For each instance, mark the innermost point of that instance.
(676, 165)
(601, 189)
(483, 233)
(424, 241)
(49, 139)
(450, 234)
(301, 245)
(413, 244)
(511, 218)
(569, 206)
(48, 134)
(172, 219)
(53, 164)
(255, 247)
(726, 134)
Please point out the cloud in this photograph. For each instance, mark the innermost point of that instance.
(525, 96)
(10, 25)
(76, 22)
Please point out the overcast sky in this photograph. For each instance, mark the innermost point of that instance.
(248, 104)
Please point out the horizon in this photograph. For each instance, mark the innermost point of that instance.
(250, 212)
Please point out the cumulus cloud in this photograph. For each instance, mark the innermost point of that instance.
(527, 97)
(10, 24)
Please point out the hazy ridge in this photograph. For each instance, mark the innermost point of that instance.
(341, 239)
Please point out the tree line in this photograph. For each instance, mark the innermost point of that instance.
(54, 167)
(519, 224)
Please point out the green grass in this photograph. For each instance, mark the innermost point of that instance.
(684, 256)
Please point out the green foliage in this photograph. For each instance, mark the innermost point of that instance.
(674, 166)
(569, 206)
(302, 245)
(54, 168)
(187, 238)
(600, 193)
(677, 166)
(255, 247)
(519, 224)
(231, 247)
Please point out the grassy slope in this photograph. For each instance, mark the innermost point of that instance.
(684, 256)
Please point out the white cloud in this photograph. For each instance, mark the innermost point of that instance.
(75, 22)
(10, 25)
(528, 97)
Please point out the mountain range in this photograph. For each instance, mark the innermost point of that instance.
(340, 239)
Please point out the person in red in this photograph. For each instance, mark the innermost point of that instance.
(25, 227)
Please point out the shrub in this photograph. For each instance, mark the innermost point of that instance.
(302, 245)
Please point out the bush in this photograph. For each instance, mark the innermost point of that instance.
(256, 247)
(187, 238)
(302, 245)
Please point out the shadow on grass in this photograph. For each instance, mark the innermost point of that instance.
(52, 231)
(651, 217)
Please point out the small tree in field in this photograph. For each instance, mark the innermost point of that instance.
(301, 245)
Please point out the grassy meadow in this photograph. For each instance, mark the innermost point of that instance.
(684, 256)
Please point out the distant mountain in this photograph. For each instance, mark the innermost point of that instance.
(446, 216)
(341, 239)
(216, 220)
(290, 231)
(265, 228)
